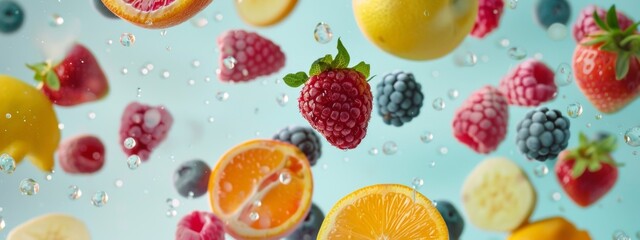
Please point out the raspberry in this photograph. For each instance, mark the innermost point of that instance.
(481, 121)
(248, 56)
(488, 18)
(585, 24)
(338, 104)
(543, 134)
(305, 139)
(81, 154)
(147, 125)
(399, 98)
(529, 84)
(200, 226)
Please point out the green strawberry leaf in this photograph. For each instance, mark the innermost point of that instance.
(594, 166)
(609, 144)
(342, 59)
(579, 167)
(363, 68)
(318, 66)
(40, 70)
(599, 21)
(52, 81)
(622, 65)
(582, 139)
(296, 79)
(327, 59)
(596, 39)
(631, 29)
(612, 18)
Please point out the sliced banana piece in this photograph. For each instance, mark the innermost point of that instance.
(51, 226)
(498, 196)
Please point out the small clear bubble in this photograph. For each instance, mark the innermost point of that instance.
(574, 110)
(99, 199)
(504, 43)
(144, 71)
(557, 31)
(163, 32)
(389, 148)
(48, 177)
(322, 33)
(432, 164)
(416, 183)
(556, 196)
(229, 62)
(211, 119)
(149, 66)
(620, 235)
(133, 162)
(218, 16)
(284, 177)
(443, 150)
(453, 94)
(166, 74)
(118, 183)
(191, 82)
(61, 126)
(173, 203)
(222, 96)
(598, 116)
(434, 203)
(438, 104)
(541, 170)
(74, 192)
(254, 216)
(325, 166)
(171, 213)
(29, 187)
(588, 125)
(129, 143)
(207, 79)
(92, 115)
(7, 116)
(199, 22)
(517, 53)
(127, 39)
(195, 63)
(538, 56)
(632, 136)
(109, 42)
(513, 4)
(124, 71)
(7, 164)
(139, 92)
(563, 76)
(2, 223)
(56, 20)
(426, 137)
(466, 59)
(373, 151)
(282, 99)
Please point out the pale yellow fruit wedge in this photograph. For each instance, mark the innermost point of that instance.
(51, 226)
(264, 13)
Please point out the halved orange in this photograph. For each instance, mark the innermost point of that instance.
(156, 14)
(264, 13)
(384, 211)
(261, 189)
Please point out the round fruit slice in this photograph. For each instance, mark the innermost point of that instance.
(498, 196)
(51, 226)
(550, 228)
(261, 189)
(156, 14)
(384, 211)
(264, 13)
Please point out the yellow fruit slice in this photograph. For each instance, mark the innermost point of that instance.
(156, 14)
(261, 189)
(556, 228)
(49, 227)
(384, 211)
(264, 13)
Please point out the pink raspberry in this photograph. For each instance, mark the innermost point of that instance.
(488, 18)
(481, 121)
(81, 154)
(147, 125)
(585, 24)
(200, 226)
(245, 56)
(529, 84)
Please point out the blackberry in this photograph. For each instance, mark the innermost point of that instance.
(305, 139)
(399, 98)
(543, 134)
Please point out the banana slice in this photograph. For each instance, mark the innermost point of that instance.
(51, 226)
(497, 195)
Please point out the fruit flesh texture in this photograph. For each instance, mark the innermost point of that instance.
(556, 228)
(49, 227)
(264, 13)
(163, 17)
(405, 29)
(32, 128)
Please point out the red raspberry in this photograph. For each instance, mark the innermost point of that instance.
(147, 125)
(81, 154)
(481, 121)
(529, 84)
(338, 104)
(200, 226)
(245, 56)
(488, 18)
(585, 24)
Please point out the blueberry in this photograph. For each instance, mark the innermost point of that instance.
(11, 16)
(399, 98)
(104, 10)
(305, 138)
(542, 134)
(548, 12)
(309, 228)
(453, 219)
(191, 179)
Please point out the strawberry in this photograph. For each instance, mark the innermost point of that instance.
(77, 79)
(607, 64)
(335, 100)
(588, 172)
(245, 56)
(585, 24)
(488, 18)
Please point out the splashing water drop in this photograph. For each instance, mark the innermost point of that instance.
(322, 33)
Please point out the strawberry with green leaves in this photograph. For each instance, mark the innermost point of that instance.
(607, 64)
(336, 100)
(588, 172)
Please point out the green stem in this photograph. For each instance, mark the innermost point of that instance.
(628, 40)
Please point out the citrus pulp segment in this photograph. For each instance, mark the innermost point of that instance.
(156, 14)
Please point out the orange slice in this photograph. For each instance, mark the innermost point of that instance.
(384, 211)
(264, 13)
(156, 13)
(261, 189)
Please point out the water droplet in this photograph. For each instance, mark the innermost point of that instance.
(432, 164)
(588, 125)
(74, 192)
(7, 164)
(453, 94)
(598, 116)
(163, 32)
(373, 151)
(99, 199)
(129, 143)
(322, 33)
(466, 59)
(166, 74)
(541, 170)
(127, 39)
(426, 137)
(56, 20)
(133, 162)
(222, 96)
(557, 31)
(124, 71)
(2, 223)
(426, 13)
(517, 53)
(325, 166)
(229, 62)
(257, 203)
(504, 43)
(29, 187)
(48, 177)
(254, 216)
(199, 22)
(282, 100)
(218, 16)
(438, 104)
(556, 196)
(574, 110)
(144, 71)
(195, 63)
(620, 235)
(60, 126)
(632, 136)
(284, 177)
(191, 82)
(416, 183)
(171, 212)
(8, 115)
(173, 203)
(389, 148)
(563, 76)
(434, 203)
(92, 115)
(207, 79)
(119, 183)
(443, 150)
(513, 4)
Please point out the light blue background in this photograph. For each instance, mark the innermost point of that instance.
(137, 210)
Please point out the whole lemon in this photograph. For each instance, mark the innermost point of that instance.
(416, 29)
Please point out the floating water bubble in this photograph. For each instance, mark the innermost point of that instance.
(538, 56)
(466, 59)
(127, 39)
(517, 53)
(222, 96)
(438, 104)
(373, 151)
(632, 136)
(598, 116)
(211, 119)
(389, 148)
(513, 4)
(443, 150)
(557, 31)
(207, 79)
(620, 235)
(574, 110)
(199, 22)
(7, 164)
(453, 94)
(432, 164)
(325, 166)
(129, 143)
(124, 71)
(99, 199)
(282, 100)
(426, 137)
(48, 177)
(504, 43)
(416, 183)
(322, 33)
(8, 115)
(541, 170)
(2, 223)
(254, 216)
(195, 63)
(163, 32)
(434, 203)
(556, 196)
(171, 212)
(563, 76)
(166, 74)
(56, 20)
(191, 82)
(284, 177)
(173, 203)
(144, 71)
(74, 192)
(588, 125)
(118, 183)
(92, 115)
(60, 126)
(218, 16)
(133, 162)
(229, 62)
(29, 187)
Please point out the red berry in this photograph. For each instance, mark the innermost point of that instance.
(481, 121)
(245, 56)
(488, 18)
(529, 84)
(147, 125)
(81, 154)
(585, 24)
(338, 104)
(200, 226)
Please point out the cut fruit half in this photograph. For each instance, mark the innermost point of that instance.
(264, 13)
(384, 211)
(261, 189)
(51, 226)
(156, 14)
(497, 195)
